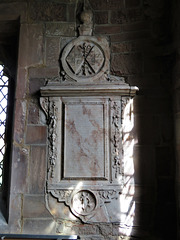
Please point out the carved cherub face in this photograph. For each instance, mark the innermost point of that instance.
(86, 17)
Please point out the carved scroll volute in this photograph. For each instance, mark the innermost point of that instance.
(44, 102)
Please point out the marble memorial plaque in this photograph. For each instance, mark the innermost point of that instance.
(85, 140)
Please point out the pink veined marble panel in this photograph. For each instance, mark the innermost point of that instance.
(84, 141)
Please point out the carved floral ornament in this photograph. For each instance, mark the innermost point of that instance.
(50, 109)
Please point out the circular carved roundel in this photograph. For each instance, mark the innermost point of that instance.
(84, 203)
(84, 58)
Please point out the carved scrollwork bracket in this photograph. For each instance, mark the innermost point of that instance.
(61, 195)
(82, 202)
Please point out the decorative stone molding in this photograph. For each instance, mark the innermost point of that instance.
(61, 195)
(50, 109)
(116, 140)
(108, 195)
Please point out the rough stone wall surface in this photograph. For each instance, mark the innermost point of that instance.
(139, 32)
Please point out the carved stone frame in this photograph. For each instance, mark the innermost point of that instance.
(98, 189)
(84, 109)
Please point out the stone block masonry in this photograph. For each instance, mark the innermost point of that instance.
(140, 36)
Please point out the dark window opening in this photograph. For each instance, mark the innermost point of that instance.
(9, 37)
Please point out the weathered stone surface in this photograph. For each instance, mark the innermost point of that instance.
(128, 36)
(101, 17)
(37, 170)
(47, 11)
(34, 207)
(19, 121)
(144, 82)
(52, 51)
(31, 37)
(86, 229)
(119, 16)
(20, 166)
(36, 135)
(105, 229)
(15, 217)
(124, 15)
(129, 27)
(43, 72)
(124, 47)
(62, 212)
(34, 86)
(126, 64)
(21, 83)
(33, 112)
(71, 13)
(60, 29)
(108, 29)
(138, 26)
(106, 5)
(39, 226)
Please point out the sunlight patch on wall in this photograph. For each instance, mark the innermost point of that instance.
(127, 204)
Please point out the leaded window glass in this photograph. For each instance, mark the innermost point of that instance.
(4, 80)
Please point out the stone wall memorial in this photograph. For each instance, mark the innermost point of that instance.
(84, 108)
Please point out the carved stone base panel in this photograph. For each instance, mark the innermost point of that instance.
(85, 204)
